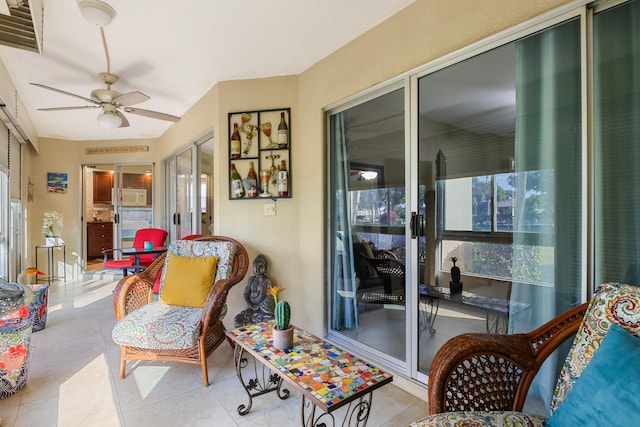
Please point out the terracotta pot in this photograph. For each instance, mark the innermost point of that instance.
(283, 339)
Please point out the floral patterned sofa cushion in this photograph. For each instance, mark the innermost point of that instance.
(612, 303)
(479, 419)
(161, 326)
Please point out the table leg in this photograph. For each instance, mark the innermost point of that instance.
(497, 323)
(428, 319)
(50, 264)
(357, 413)
(262, 381)
(64, 262)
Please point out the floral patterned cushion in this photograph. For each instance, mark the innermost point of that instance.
(38, 305)
(225, 251)
(15, 355)
(612, 303)
(160, 326)
(479, 419)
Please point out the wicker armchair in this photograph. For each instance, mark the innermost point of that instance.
(380, 275)
(143, 331)
(482, 379)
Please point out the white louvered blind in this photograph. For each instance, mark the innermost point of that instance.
(4, 148)
(15, 167)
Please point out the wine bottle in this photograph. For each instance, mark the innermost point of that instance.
(252, 182)
(283, 180)
(236, 183)
(235, 142)
(283, 132)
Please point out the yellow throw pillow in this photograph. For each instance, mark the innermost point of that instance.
(188, 280)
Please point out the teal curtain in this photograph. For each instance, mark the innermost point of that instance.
(344, 306)
(617, 144)
(548, 177)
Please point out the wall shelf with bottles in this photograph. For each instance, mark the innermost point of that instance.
(260, 154)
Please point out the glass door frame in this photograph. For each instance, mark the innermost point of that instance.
(410, 82)
(194, 202)
(411, 315)
(118, 178)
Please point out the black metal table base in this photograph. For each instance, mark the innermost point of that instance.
(257, 379)
(263, 380)
(428, 318)
(497, 323)
(357, 414)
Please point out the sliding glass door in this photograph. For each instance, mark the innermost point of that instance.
(369, 224)
(133, 202)
(501, 184)
(481, 228)
(189, 190)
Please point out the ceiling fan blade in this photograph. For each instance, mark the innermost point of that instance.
(81, 107)
(152, 114)
(66, 93)
(125, 122)
(130, 98)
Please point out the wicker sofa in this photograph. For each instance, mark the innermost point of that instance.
(483, 380)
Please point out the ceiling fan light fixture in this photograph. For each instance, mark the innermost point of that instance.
(110, 120)
(96, 12)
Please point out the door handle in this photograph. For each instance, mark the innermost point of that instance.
(414, 225)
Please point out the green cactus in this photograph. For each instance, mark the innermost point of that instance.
(283, 315)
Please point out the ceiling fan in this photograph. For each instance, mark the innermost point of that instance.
(112, 102)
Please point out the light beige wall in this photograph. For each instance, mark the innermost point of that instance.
(293, 239)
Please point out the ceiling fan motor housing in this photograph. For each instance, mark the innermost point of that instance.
(104, 95)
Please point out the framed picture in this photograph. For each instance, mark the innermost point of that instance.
(57, 182)
(260, 154)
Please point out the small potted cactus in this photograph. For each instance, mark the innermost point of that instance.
(282, 330)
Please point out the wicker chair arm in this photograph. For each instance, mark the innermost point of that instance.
(132, 292)
(487, 372)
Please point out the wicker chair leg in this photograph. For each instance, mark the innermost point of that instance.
(123, 363)
(205, 373)
(203, 365)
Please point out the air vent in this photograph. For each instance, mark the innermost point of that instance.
(20, 29)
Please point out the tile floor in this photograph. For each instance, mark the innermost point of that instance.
(73, 379)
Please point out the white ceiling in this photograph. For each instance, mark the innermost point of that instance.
(175, 52)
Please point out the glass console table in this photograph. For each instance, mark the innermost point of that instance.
(52, 275)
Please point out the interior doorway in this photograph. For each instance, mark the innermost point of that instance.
(118, 201)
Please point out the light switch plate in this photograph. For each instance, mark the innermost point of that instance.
(270, 209)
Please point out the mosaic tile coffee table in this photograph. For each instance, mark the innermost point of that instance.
(327, 377)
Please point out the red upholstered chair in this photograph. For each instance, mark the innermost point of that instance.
(155, 235)
(156, 283)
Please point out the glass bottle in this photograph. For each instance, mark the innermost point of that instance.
(236, 183)
(235, 142)
(283, 132)
(283, 180)
(252, 182)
